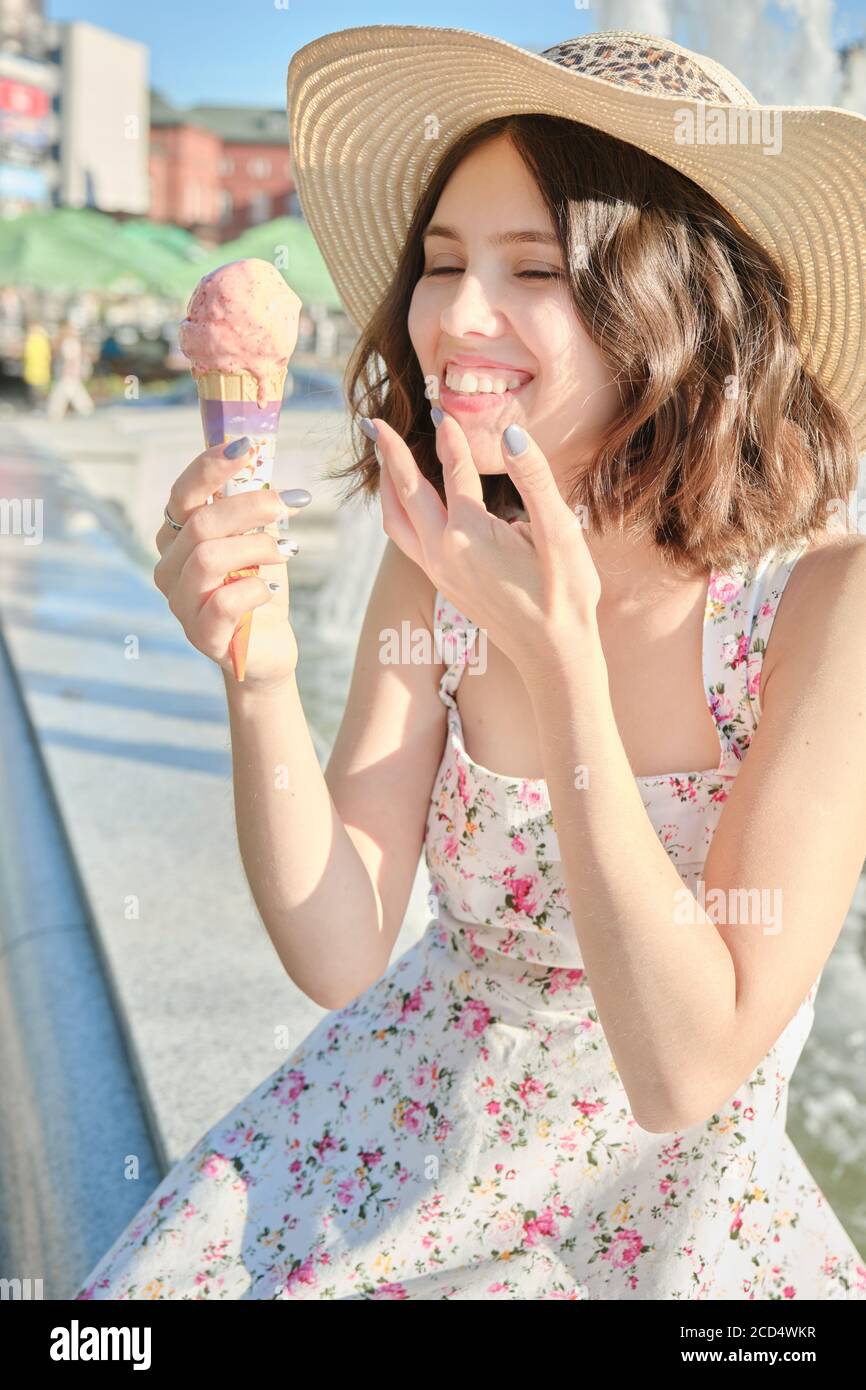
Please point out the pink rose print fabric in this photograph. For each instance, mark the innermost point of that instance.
(459, 1131)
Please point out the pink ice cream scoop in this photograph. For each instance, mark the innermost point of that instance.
(242, 317)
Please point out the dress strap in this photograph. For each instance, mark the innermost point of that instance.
(454, 635)
(773, 580)
(741, 605)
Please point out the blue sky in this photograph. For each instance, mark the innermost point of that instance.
(236, 51)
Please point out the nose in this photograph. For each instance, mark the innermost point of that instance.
(470, 309)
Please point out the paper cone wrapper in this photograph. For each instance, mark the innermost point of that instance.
(230, 409)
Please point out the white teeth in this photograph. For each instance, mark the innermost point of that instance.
(469, 384)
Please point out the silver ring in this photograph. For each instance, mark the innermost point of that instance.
(171, 521)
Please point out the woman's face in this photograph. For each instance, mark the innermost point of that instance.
(508, 304)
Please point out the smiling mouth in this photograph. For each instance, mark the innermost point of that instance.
(455, 399)
(478, 400)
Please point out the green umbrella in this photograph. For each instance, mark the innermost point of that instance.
(75, 249)
(290, 245)
(164, 234)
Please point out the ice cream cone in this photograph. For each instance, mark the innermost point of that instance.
(240, 330)
(234, 404)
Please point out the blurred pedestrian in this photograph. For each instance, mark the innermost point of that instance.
(70, 368)
(37, 363)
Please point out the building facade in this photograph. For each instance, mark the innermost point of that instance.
(30, 82)
(185, 176)
(236, 161)
(105, 121)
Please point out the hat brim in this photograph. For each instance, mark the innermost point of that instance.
(362, 102)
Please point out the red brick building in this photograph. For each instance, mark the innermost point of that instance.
(185, 178)
(217, 170)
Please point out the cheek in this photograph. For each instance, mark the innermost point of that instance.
(569, 352)
(423, 325)
(548, 332)
(419, 322)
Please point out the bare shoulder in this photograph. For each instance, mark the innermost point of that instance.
(829, 572)
(400, 578)
(823, 603)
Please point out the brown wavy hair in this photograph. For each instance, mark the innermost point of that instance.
(727, 445)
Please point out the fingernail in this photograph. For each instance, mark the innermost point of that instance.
(370, 430)
(273, 585)
(516, 440)
(437, 414)
(237, 447)
(296, 497)
(287, 547)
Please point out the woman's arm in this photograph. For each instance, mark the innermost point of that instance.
(690, 1010)
(331, 858)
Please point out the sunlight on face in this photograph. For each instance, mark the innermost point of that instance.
(509, 304)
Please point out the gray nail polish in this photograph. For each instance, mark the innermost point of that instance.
(288, 547)
(370, 430)
(516, 440)
(437, 414)
(237, 447)
(296, 497)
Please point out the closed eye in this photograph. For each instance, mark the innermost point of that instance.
(521, 275)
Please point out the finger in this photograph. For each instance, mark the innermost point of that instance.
(522, 529)
(395, 521)
(210, 562)
(227, 516)
(217, 619)
(459, 471)
(165, 536)
(189, 598)
(278, 574)
(199, 481)
(549, 515)
(418, 497)
(201, 478)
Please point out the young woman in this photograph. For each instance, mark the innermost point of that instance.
(575, 1085)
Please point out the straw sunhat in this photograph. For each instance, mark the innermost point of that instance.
(363, 104)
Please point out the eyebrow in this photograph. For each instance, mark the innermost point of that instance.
(499, 239)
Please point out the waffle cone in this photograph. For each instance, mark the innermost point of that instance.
(240, 386)
(240, 642)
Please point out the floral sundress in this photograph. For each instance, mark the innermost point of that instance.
(460, 1131)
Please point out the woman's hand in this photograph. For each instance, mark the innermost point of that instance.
(529, 585)
(212, 542)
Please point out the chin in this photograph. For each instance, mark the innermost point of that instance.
(486, 451)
